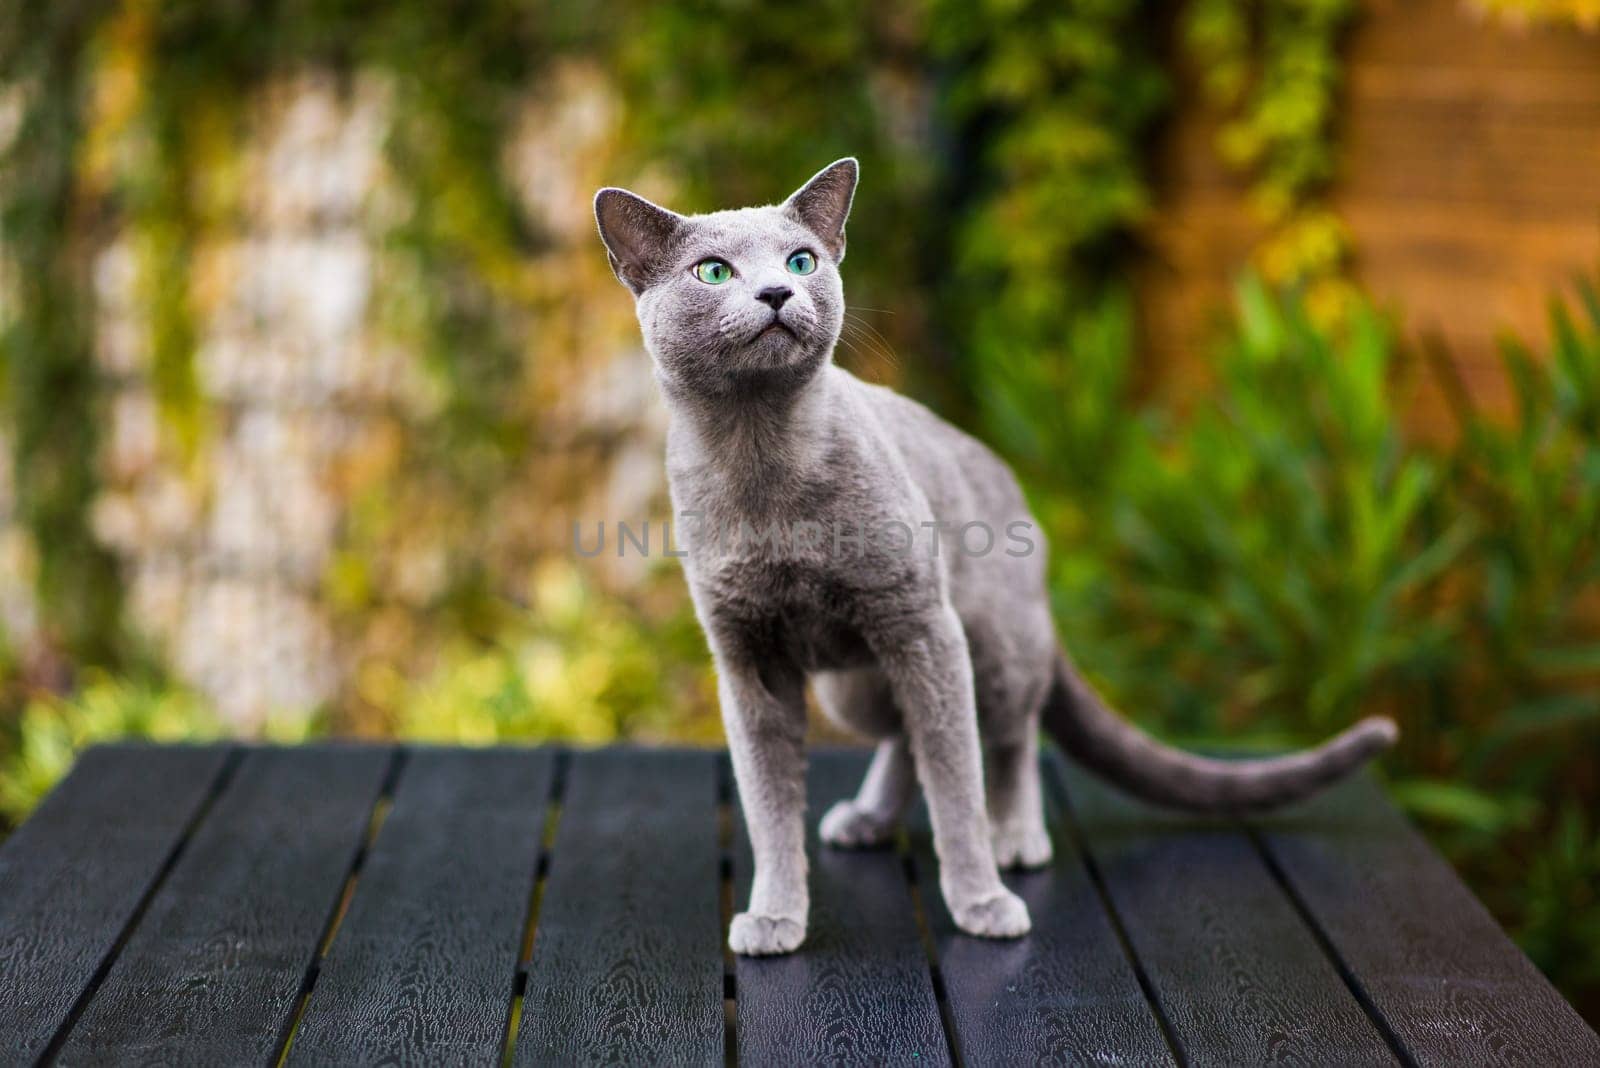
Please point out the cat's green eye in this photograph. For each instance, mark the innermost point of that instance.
(802, 262)
(713, 272)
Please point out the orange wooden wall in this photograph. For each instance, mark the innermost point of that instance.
(1469, 177)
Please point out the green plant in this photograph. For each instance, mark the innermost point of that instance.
(1270, 557)
(129, 117)
(1559, 923)
(576, 666)
(1278, 557)
(1275, 70)
(53, 729)
(1054, 104)
(1526, 724)
(48, 381)
(1535, 481)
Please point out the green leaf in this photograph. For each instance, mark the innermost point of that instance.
(1460, 805)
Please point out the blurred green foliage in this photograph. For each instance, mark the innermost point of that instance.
(48, 393)
(1275, 69)
(54, 728)
(1271, 555)
(1280, 557)
(574, 666)
(1053, 104)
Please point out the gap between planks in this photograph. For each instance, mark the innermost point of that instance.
(381, 806)
(560, 763)
(1302, 911)
(219, 783)
(725, 906)
(919, 915)
(1069, 822)
(1329, 950)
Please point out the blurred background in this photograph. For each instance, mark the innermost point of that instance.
(1284, 310)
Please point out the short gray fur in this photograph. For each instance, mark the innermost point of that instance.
(949, 659)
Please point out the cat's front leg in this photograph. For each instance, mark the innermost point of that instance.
(930, 671)
(764, 715)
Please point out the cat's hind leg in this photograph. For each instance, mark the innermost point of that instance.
(871, 817)
(860, 701)
(1013, 660)
(1016, 803)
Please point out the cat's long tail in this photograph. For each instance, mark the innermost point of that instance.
(1109, 745)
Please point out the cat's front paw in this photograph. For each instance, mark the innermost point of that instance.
(1021, 846)
(1001, 915)
(849, 826)
(764, 936)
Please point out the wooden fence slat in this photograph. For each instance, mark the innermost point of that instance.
(73, 875)
(422, 967)
(214, 970)
(1064, 994)
(1239, 976)
(1427, 954)
(859, 991)
(627, 950)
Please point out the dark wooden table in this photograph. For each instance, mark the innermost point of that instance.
(339, 904)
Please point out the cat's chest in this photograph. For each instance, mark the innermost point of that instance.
(810, 564)
(794, 621)
(805, 582)
(799, 610)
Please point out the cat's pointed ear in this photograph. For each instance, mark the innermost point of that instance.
(823, 204)
(638, 235)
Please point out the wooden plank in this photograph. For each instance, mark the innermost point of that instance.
(627, 955)
(422, 968)
(860, 990)
(1425, 952)
(214, 970)
(1238, 975)
(1065, 994)
(73, 876)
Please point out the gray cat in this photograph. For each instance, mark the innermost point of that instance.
(814, 505)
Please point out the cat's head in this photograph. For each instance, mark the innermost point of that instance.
(735, 301)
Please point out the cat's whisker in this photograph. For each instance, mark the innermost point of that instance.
(863, 346)
(889, 351)
(852, 344)
(872, 337)
(879, 356)
(849, 346)
(882, 353)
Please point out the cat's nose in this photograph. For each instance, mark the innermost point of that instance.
(774, 297)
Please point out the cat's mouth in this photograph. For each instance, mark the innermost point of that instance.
(776, 327)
